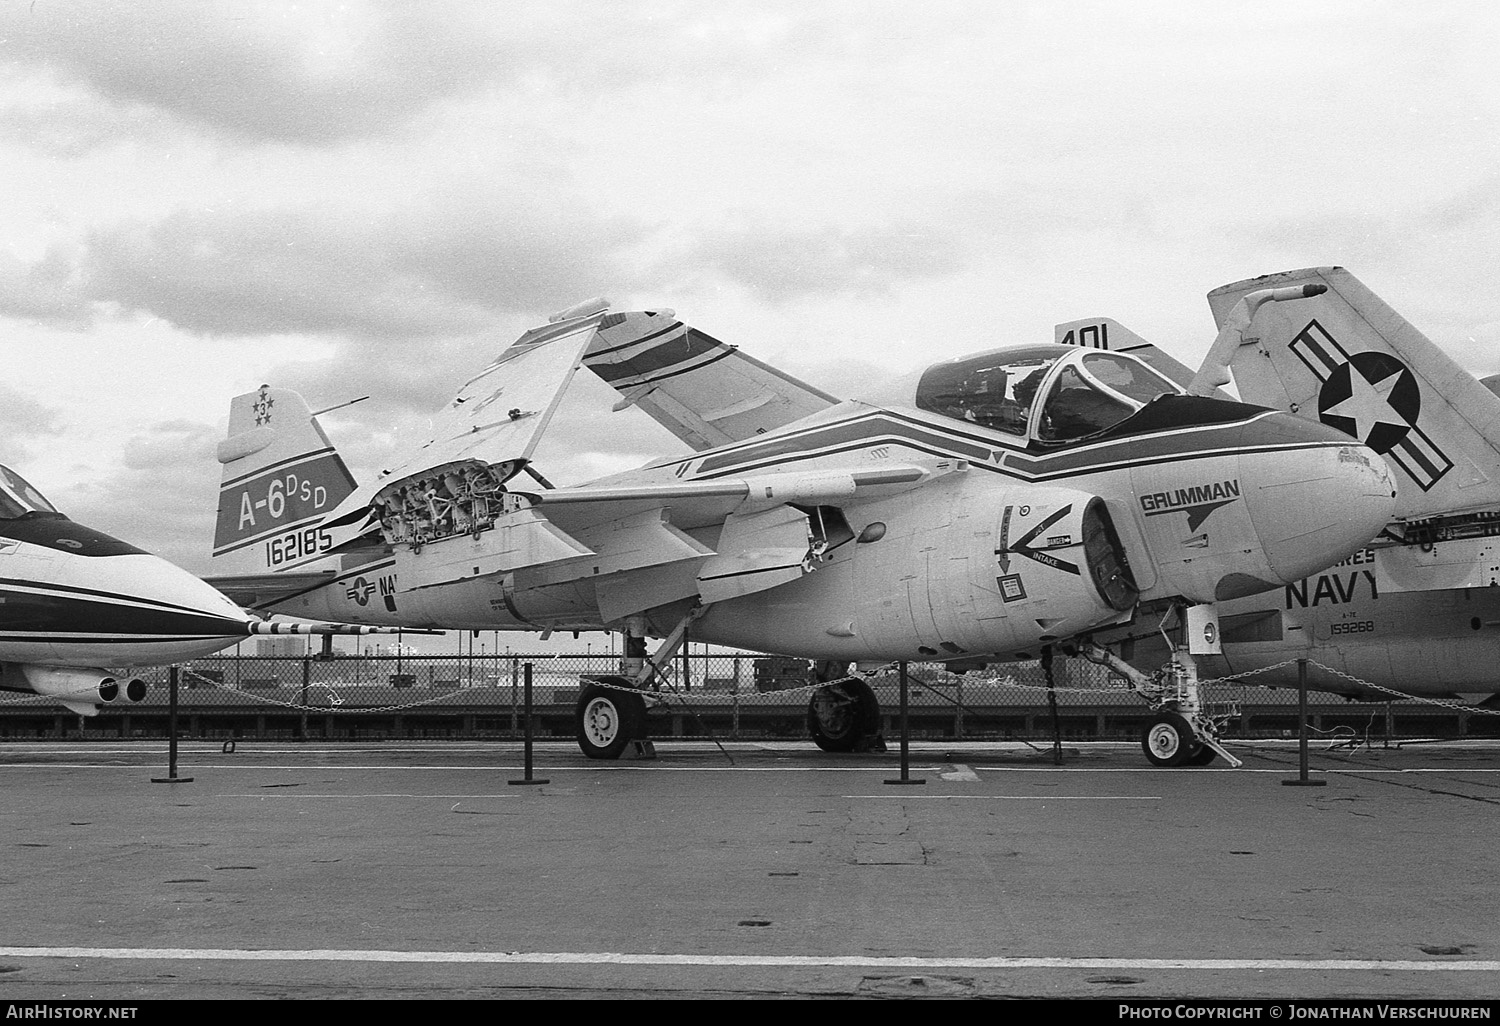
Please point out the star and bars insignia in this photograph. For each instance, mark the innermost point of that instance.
(359, 590)
(1373, 397)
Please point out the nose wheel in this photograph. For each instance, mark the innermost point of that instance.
(1181, 733)
(1169, 740)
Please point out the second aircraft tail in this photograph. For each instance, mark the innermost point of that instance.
(1342, 356)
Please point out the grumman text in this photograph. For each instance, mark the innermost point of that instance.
(1195, 496)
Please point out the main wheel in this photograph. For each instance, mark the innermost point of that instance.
(1170, 741)
(607, 720)
(841, 716)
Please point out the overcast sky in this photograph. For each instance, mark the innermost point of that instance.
(365, 198)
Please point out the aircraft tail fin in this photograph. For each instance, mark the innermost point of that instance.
(1108, 333)
(1337, 353)
(281, 479)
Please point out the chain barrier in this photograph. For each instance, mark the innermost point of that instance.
(340, 697)
(1443, 703)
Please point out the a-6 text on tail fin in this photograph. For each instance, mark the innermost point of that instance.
(281, 479)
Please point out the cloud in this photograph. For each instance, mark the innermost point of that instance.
(781, 263)
(70, 127)
(161, 496)
(50, 289)
(319, 75)
(264, 72)
(447, 265)
(25, 422)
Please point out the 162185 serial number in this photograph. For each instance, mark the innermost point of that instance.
(297, 545)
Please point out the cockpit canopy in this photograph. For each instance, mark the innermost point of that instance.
(1082, 391)
(17, 497)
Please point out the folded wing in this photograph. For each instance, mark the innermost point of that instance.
(705, 392)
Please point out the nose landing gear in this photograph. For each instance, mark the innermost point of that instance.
(1181, 733)
(1170, 740)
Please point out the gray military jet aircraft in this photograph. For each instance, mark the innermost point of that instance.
(982, 510)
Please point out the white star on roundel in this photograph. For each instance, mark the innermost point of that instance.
(1369, 404)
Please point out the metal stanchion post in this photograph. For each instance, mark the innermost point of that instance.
(906, 777)
(514, 669)
(1057, 753)
(529, 779)
(1302, 780)
(172, 777)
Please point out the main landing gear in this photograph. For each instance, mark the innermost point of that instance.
(609, 715)
(611, 711)
(843, 714)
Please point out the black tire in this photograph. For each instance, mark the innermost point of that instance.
(606, 720)
(1169, 740)
(843, 716)
(1205, 756)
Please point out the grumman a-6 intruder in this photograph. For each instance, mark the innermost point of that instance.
(982, 510)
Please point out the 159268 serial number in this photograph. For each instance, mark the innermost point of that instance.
(297, 545)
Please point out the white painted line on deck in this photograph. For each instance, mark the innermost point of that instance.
(509, 794)
(329, 767)
(750, 961)
(304, 767)
(1016, 797)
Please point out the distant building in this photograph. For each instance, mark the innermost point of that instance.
(284, 647)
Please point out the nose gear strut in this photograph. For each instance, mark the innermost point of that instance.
(1182, 733)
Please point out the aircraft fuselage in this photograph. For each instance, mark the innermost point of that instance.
(71, 596)
(1402, 620)
(1024, 545)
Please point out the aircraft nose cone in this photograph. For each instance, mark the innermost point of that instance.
(1318, 505)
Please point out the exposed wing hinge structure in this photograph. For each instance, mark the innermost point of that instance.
(634, 546)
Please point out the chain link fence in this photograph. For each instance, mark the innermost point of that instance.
(701, 695)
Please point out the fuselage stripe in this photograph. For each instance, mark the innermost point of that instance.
(67, 592)
(1169, 446)
(32, 611)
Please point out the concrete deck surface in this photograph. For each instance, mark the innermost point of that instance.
(403, 869)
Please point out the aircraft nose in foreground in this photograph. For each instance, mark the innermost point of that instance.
(1315, 503)
(167, 613)
(1268, 503)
